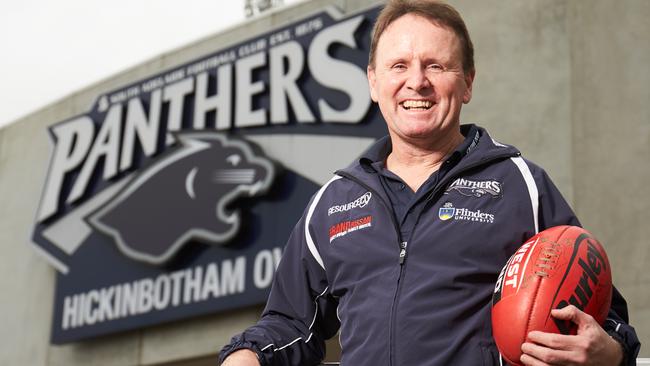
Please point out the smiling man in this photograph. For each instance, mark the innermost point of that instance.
(417, 77)
(408, 275)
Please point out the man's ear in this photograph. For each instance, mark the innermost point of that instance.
(469, 80)
(372, 79)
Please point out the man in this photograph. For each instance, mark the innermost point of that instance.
(401, 250)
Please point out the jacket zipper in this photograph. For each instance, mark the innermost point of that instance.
(403, 253)
(401, 261)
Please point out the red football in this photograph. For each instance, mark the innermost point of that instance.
(560, 266)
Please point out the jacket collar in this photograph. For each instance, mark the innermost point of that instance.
(477, 148)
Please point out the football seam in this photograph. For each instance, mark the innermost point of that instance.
(531, 312)
(534, 305)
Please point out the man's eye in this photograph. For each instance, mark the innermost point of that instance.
(399, 67)
(436, 67)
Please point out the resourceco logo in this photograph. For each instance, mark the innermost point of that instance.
(359, 202)
(448, 211)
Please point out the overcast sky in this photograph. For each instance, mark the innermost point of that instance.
(49, 49)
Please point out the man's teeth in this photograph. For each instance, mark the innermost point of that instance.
(419, 104)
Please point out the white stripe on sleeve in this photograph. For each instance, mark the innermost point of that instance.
(532, 188)
(310, 212)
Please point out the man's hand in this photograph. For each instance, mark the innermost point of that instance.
(591, 346)
(242, 357)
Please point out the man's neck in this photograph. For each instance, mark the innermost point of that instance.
(415, 162)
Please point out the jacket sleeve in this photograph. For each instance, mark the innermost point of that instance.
(300, 313)
(553, 211)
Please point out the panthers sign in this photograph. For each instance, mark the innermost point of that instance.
(173, 196)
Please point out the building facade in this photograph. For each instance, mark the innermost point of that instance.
(142, 216)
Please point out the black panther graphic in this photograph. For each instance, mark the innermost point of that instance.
(184, 196)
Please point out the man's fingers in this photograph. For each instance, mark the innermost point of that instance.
(566, 313)
(528, 360)
(552, 340)
(535, 354)
(572, 314)
(591, 345)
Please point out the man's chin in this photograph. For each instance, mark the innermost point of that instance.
(426, 134)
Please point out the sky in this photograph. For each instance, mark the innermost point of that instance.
(50, 49)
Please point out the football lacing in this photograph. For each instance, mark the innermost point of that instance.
(547, 259)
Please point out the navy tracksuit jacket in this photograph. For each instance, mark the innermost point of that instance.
(424, 302)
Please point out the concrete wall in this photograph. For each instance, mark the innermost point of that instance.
(568, 83)
(565, 81)
(610, 93)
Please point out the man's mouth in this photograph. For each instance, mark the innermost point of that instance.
(416, 105)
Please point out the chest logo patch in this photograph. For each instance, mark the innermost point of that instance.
(475, 188)
(449, 212)
(345, 227)
(362, 201)
(446, 212)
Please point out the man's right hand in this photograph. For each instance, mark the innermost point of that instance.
(242, 357)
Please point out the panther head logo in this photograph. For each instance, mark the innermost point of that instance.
(184, 196)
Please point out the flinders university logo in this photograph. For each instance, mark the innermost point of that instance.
(446, 212)
(173, 196)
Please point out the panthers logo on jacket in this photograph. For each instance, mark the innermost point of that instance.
(184, 196)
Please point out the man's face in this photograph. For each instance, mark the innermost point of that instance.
(418, 79)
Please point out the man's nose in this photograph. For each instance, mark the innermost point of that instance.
(417, 79)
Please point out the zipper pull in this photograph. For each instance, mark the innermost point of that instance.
(402, 252)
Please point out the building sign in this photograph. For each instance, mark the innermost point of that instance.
(174, 195)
